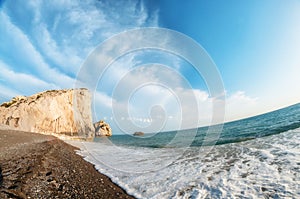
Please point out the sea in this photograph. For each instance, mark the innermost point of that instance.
(258, 157)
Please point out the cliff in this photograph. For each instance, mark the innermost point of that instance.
(57, 112)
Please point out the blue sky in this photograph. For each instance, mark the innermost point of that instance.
(255, 45)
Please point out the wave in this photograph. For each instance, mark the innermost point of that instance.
(262, 167)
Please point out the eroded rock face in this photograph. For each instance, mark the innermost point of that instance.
(102, 129)
(58, 112)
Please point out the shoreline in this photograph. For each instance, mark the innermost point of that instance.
(41, 166)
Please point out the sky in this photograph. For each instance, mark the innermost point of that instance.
(254, 44)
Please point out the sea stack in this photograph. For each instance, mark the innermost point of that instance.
(102, 129)
(55, 112)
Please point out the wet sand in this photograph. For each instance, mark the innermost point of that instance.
(40, 166)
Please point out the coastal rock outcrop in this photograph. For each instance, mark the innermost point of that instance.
(102, 129)
(57, 112)
(139, 133)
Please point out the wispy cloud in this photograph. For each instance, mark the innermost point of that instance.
(6, 93)
(50, 40)
(21, 82)
(65, 32)
(23, 56)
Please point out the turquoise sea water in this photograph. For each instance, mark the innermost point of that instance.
(258, 157)
(263, 125)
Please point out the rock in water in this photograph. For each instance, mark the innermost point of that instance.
(139, 133)
(57, 112)
(102, 129)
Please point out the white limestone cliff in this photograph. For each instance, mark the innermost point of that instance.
(55, 112)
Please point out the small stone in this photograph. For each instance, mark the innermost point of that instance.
(1, 176)
(264, 189)
(48, 173)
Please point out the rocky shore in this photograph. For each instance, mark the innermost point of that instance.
(41, 166)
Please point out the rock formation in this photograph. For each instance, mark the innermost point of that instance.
(139, 133)
(102, 129)
(58, 112)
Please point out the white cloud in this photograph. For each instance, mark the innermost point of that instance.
(62, 37)
(65, 58)
(21, 82)
(155, 93)
(103, 99)
(6, 93)
(178, 108)
(22, 49)
(73, 33)
(239, 105)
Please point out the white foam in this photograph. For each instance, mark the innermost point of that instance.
(264, 167)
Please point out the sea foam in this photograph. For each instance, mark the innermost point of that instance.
(262, 167)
